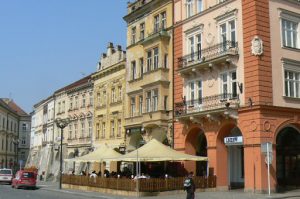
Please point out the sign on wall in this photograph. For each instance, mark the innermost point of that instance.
(237, 140)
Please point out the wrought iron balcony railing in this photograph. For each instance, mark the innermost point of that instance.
(206, 104)
(212, 52)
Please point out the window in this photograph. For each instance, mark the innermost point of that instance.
(75, 130)
(156, 23)
(229, 85)
(104, 98)
(141, 67)
(148, 101)
(91, 99)
(194, 46)
(90, 128)
(98, 99)
(155, 99)
(103, 130)
(166, 61)
(199, 6)
(142, 31)
(119, 128)
(98, 130)
(289, 33)
(132, 106)
(155, 61)
(189, 8)
(83, 101)
(292, 83)
(163, 20)
(113, 95)
(24, 127)
(149, 60)
(133, 34)
(194, 94)
(112, 126)
(76, 102)
(59, 107)
(70, 131)
(228, 32)
(82, 128)
(165, 103)
(120, 93)
(133, 70)
(141, 105)
(71, 103)
(23, 141)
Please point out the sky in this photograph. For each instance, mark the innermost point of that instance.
(48, 44)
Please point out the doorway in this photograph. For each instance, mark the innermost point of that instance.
(288, 158)
(235, 157)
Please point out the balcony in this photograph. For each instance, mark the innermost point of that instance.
(206, 58)
(157, 75)
(160, 33)
(136, 119)
(215, 104)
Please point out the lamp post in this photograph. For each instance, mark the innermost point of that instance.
(61, 123)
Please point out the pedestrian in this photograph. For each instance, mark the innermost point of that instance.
(189, 186)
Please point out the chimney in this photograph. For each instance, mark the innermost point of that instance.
(119, 47)
(110, 48)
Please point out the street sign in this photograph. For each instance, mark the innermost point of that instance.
(237, 140)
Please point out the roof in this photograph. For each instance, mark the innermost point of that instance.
(75, 84)
(155, 151)
(98, 155)
(13, 106)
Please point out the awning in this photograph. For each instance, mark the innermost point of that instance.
(99, 155)
(154, 151)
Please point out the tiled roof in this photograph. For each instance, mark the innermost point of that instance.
(75, 84)
(12, 105)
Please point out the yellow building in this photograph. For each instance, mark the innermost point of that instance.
(149, 72)
(109, 90)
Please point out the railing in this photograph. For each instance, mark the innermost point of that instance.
(227, 47)
(145, 185)
(206, 103)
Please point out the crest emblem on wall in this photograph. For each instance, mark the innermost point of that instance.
(257, 46)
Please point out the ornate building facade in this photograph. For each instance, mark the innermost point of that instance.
(109, 92)
(149, 92)
(236, 77)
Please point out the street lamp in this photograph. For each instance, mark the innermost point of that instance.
(61, 123)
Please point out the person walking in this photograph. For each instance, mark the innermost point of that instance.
(189, 186)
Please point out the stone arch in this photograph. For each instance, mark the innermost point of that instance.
(287, 155)
(227, 129)
(196, 144)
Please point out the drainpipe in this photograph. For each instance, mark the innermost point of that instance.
(173, 73)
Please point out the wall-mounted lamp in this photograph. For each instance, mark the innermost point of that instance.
(240, 85)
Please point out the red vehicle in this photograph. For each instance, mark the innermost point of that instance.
(25, 179)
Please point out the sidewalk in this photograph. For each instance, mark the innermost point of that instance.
(236, 194)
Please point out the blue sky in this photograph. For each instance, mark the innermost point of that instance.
(47, 44)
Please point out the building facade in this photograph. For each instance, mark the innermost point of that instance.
(80, 109)
(236, 77)
(148, 112)
(15, 134)
(109, 92)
